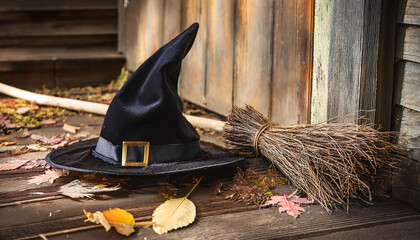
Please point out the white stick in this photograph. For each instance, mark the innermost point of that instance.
(97, 108)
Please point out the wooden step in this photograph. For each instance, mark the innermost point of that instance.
(32, 68)
(98, 40)
(59, 28)
(43, 5)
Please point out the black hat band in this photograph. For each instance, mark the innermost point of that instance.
(110, 153)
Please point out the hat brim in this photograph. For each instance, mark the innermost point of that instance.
(78, 157)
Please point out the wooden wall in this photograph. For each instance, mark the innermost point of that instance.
(353, 60)
(406, 185)
(254, 52)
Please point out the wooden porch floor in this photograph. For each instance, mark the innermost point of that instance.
(28, 210)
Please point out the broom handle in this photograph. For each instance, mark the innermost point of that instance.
(96, 108)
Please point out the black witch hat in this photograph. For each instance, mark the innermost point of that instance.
(144, 131)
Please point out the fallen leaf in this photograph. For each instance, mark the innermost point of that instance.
(174, 213)
(48, 176)
(79, 189)
(48, 122)
(70, 128)
(7, 143)
(23, 110)
(288, 203)
(22, 150)
(48, 141)
(98, 218)
(25, 134)
(34, 163)
(122, 220)
(293, 209)
(12, 164)
(36, 137)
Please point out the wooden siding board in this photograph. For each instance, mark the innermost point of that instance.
(254, 54)
(220, 55)
(171, 19)
(354, 58)
(321, 51)
(409, 12)
(292, 61)
(408, 43)
(345, 58)
(193, 73)
(407, 85)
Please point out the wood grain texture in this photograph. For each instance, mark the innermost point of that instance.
(321, 52)
(353, 54)
(193, 73)
(28, 74)
(407, 85)
(144, 30)
(171, 19)
(292, 61)
(220, 55)
(409, 12)
(133, 33)
(408, 43)
(254, 54)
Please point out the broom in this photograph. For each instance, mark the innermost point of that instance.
(330, 162)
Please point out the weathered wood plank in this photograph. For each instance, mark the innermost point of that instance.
(45, 5)
(322, 35)
(408, 43)
(58, 28)
(409, 12)
(220, 55)
(29, 74)
(353, 57)
(269, 224)
(292, 61)
(407, 85)
(152, 32)
(81, 72)
(254, 54)
(171, 19)
(407, 121)
(144, 30)
(193, 73)
(406, 182)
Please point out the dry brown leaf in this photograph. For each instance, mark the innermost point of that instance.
(70, 128)
(79, 189)
(98, 218)
(48, 176)
(25, 134)
(48, 122)
(7, 143)
(12, 165)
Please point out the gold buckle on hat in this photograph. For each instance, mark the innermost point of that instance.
(135, 164)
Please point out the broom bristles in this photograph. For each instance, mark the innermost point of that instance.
(330, 162)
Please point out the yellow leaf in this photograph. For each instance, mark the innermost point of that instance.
(173, 214)
(97, 218)
(122, 220)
